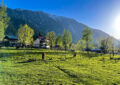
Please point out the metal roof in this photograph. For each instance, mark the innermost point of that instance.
(11, 37)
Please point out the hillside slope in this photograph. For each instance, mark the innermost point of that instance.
(44, 22)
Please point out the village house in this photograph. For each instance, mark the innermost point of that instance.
(10, 41)
(41, 42)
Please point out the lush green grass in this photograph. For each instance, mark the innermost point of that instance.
(59, 68)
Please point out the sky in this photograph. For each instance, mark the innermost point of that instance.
(98, 14)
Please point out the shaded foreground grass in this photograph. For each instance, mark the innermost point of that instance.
(59, 68)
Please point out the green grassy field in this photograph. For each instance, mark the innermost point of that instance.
(59, 68)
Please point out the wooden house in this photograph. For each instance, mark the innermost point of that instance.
(10, 41)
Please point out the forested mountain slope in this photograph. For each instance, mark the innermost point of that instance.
(44, 22)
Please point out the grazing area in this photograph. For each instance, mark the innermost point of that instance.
(60, 42)
(58, 68)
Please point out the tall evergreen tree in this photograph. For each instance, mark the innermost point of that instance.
(4, 20)
(67, 39)
(59, 41)
(87, 36)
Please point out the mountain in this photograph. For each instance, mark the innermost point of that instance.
(43, 22)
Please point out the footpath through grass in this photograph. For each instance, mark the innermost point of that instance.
(59, 68)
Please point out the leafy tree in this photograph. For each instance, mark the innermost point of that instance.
(73, 46)
(111, 46)
(106, 45)
(94, 46)
(67, 39)
(25, 35)
(118, 46)
(4, 20)
(59, 41)
(103, 44)
(87, 36)
(81, 44)
(51, 36)
(2, 30)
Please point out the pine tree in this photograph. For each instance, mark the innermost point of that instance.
(67, 39)
(59, 41)
(87, 36)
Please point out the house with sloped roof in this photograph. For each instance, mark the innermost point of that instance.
(10, 41)
(41, 42)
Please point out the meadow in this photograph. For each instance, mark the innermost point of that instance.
(58, 68)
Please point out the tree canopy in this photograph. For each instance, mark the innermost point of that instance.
(87, 36)
(51, 36)
(4, 20)
(81, 44)
(106, 44)
(25, 34)
(59, 41)
(67, 39)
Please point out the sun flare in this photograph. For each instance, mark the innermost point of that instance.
(117, 24)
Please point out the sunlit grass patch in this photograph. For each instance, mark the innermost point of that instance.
(58, 68)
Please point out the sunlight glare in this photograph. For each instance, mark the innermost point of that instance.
(117, 24)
